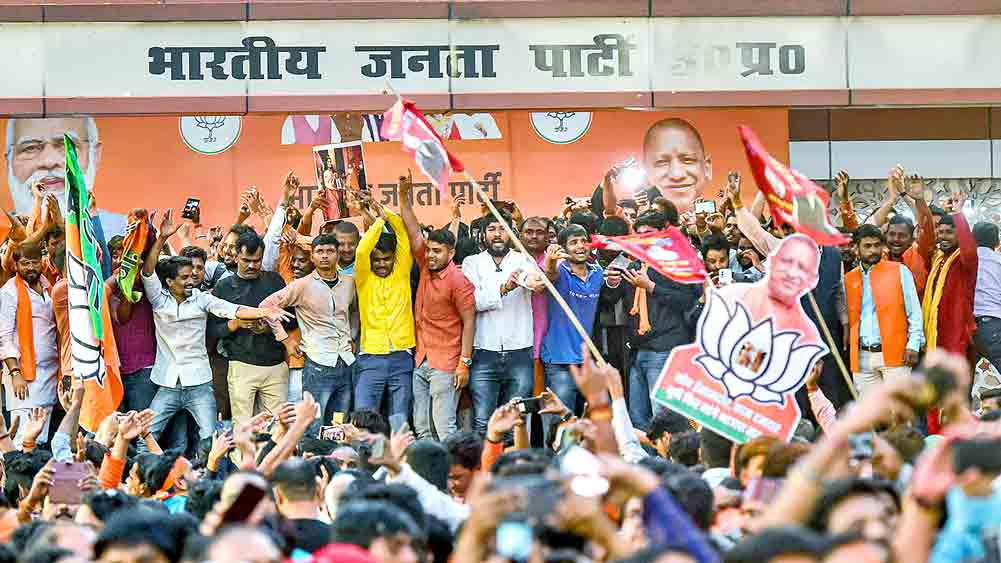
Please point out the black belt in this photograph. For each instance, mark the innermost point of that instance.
(874, 348)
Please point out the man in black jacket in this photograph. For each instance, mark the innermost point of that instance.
(258, 373)
(669, 306)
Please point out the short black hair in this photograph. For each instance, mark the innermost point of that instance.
(106, 502)
(842, 489)
(661, 467)
(571, 230)
(430, 459)
(154, 469)
(251, 242)
(652, 219)
(55, 231)
(194, 252)
(490, 219)
(868, 231)
(669, 211)
(947, 220)
(530, 459)
(371, 421)
(139, 526)
(44, 554)
(28, 250)
(694, 495)
(684, 448)
(328, 239)
(202, 496)
(613, 227)
(346, 228)
(587, 219)
(240, 228)
(715, 449)
(466, 449)
(386, 242)
(168, 269)
(397, 495)
(773, 542)
(360, 522)
(442, 236)
(986, 235)
(667, 421)
(899, 219)
(715, 241)
(296, 479)
(116, 241)
(21, 470)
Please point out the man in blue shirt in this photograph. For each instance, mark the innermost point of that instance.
(581, 284)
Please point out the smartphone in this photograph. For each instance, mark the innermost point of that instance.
(397, 422)
(333, 433)
(725, 276)
(707, 207)
(244, 504)
(514, 540)
(65, 487)
(861, 445)
(977, 453)
(190, 208)
(532, 405)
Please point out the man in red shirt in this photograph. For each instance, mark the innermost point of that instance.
(444, 321)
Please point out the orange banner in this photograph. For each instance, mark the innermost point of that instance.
(154, 162)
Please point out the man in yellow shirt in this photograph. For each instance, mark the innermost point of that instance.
(382, 276)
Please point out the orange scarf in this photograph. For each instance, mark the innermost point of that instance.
(640, 308)
(25, 330)
(181, 466)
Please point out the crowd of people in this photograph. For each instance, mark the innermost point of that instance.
(398, 392)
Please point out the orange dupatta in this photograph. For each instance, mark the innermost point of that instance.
(25, 330)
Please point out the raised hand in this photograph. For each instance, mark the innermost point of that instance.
(17, 230)
(551, 403)
(733, 187)
(35, 424)
(307, 410)
(502, 421)
(406, 188)
(591, 379)
(129, 427)
(291, 186)
(275, 315)
(145, 420)
(167, 226)
(841, 185)
(895, 182)
(638, 278)
(457, 203)
(916, 187)
(40, 484)
(221, 445)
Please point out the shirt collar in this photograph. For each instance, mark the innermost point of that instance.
(591, 268)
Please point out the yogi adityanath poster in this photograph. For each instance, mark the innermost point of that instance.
(753, 349)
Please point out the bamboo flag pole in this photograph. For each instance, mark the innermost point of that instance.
(521, 248)
(549, 284)
(833, 346)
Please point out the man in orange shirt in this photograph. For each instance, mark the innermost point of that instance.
(884, 314)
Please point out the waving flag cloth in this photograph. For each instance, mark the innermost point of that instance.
(136, 235)
(95, 357)
(404, 122)
(668, 251)
(793, 199)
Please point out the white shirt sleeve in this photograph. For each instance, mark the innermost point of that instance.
(272, 239)
(154, 290)
(622, 426)
(487, 294)
(218, 307)
(435, 502)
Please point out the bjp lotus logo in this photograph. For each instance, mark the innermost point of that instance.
(751, 360)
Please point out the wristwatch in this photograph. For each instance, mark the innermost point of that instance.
(468, 362)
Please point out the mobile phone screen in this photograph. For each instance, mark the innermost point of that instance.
(707, 207)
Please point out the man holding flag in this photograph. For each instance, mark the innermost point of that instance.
(95, 356)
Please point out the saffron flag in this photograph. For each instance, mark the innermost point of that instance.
(136, 235)
(404, 122)
(92, 341)
(793, 199)
(668, 251)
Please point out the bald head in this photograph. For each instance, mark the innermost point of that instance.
(675, 161)
(236, 542)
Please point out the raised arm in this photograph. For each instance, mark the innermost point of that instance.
(922, 216)
(410, 222)
(748, 224)
(894, 187)
(167, 230)
(849, 219)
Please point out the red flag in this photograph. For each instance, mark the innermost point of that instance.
(668, 251)
(404, 122)
(793, 199)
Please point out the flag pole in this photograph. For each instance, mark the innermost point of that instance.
(549, 284)
(833, 345)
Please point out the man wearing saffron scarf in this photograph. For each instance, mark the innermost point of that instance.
(952, 272)
(884, 314)
(28, 339)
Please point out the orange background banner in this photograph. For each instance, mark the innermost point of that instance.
(145, 163)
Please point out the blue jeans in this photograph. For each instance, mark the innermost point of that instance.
(495, 378)
(199, 400)
(139, 390)
(330, 386)
(643, 376)
(378, 372)
(435, 401)
(295, 385)
(560, 381)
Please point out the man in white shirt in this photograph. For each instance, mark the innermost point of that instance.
(28, 385)
(502, 348)
(181, 371)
